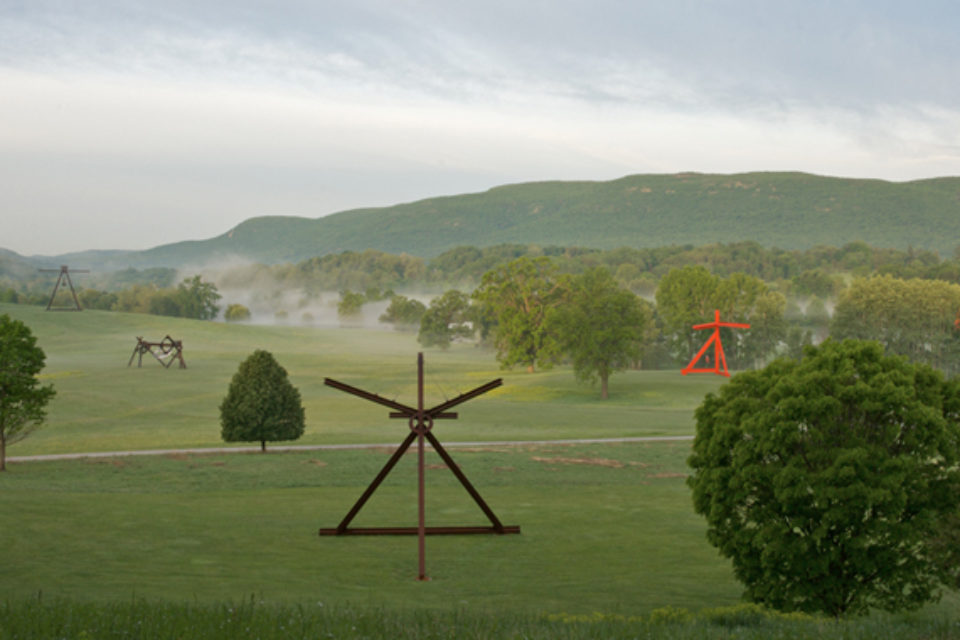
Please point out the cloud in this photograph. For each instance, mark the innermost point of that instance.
(127, 125)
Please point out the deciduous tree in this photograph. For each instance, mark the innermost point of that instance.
(601, 327)
(518, 296)
(912, 317)
(446, 319)
(350, 305)
(23, 399)
(261, 404)
(197, 299)
(824, 480)
(236, 313)
(689, 296)
(404, 313)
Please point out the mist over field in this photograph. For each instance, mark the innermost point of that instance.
(272, 301)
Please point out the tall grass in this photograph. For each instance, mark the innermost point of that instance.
(252, 618)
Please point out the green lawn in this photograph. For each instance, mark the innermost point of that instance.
(102, 405)
(606, 528)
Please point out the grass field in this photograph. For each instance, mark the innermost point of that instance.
(102, 405)
(607, 529)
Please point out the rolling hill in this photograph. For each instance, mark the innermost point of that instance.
(785, 210)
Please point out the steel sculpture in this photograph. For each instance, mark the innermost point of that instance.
(167, 352)
(64, 272)
(719, 359)
(420, 421)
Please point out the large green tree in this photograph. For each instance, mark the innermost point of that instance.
(23, 399)
(826, 480)
(446, 319)
(350, 306)
(197, 299)
(261, 404)
(601, 327)
(404, 313)
(517, 297)
(911, 317)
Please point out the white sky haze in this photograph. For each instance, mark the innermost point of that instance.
(129, 124)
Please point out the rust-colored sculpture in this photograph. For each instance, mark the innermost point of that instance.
(64, 272)
(420, 421)
(719, 359)
(167, 351)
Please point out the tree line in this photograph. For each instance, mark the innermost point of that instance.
(816, 271)
(534, 315)
(192, 298)
(910, 314)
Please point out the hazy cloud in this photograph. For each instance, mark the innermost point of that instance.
(130, 124)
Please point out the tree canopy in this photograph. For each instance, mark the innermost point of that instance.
(403, 313)
(689, 296)
(236, 313)
(825, 480)
(602, 327)
(446, 319)
(350, 305)
(261, 404)
(197, 299)
(518, 296)
(23, 399)
(915, 318)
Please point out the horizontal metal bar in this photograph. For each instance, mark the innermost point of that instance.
(449, 415)
(412, 531)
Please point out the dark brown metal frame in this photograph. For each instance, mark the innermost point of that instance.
(64, 272)
(420, 421)
(170, 348)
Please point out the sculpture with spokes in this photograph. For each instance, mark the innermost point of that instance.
(420, 421)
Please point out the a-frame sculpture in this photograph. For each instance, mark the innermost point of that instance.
(420, 421)
(64, 272)
(719, 359)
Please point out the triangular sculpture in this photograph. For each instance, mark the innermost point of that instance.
(64, 276)
(420, 421)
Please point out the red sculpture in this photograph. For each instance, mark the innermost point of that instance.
(719, 359)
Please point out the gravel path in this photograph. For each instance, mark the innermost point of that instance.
(332, 447)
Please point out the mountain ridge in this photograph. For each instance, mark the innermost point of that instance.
(787, 210)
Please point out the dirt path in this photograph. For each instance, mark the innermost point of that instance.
(332, 447)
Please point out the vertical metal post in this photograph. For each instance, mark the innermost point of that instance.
(421, 525)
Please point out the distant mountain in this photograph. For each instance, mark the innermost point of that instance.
(785, 210)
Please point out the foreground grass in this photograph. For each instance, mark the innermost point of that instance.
(153, 546)
(604, 528)
(252, 619)
(102, 405)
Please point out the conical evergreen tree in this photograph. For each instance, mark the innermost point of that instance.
(261, 404)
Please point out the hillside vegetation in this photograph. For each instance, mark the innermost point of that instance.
(785, 210)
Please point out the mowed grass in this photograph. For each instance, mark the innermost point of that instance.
(104, 405)
(608, 531)
(604, 528)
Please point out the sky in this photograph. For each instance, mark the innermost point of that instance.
(131, 124)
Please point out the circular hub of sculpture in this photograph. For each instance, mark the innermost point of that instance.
(419, 424)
